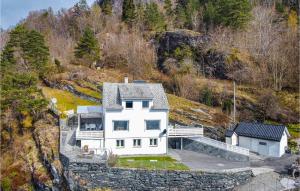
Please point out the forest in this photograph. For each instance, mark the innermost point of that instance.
(195, 48)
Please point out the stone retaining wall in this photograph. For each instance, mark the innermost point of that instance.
(85, 176)
(196, 146)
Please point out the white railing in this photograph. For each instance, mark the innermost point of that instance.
(89, 134)
(185, 132)
(222, 145)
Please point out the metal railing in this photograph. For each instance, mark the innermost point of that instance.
(185, 132)
(222, 145)
(89, 134)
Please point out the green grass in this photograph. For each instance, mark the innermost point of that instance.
(65, 100)
(294, 130)
(88, 91)
(143, 162)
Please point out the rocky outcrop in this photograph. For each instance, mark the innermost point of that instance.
(173, 46)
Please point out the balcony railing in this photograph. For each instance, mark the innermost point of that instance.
(222, 145)
(185, 132)
(89, 134)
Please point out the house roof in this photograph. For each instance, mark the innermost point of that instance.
(261, 131)
(113, 93)
(135, 91)
(229, 133)
(89, 109)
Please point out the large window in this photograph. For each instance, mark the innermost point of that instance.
(120, 125)
(152, 124)
(120, 143)
(153, 142)
(145, 104)
(136, 142)
(129, 104)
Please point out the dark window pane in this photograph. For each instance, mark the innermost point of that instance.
(120, 125)
(152, 124)
(129, 104)
(145, 104)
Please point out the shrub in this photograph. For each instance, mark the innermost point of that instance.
(207, 97)
(112, 159)
(292, 145)
(6, 184)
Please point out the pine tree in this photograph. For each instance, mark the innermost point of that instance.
(154, 20)
(107, 7)
(180, 13)
(30, 48)
(35, 51)
(169, 13)
(128, 12)
(233, 13)
(88, 48)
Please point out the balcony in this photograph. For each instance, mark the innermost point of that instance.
(89, 134)
(184, 131)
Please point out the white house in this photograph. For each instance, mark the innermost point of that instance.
(133, 120)
(265, 139)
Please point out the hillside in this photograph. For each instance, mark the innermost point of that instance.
(196, 49)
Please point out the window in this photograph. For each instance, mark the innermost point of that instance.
(153, 142)
(129, 104)
(152, 124)
(137, 142)
(120, 143)
(145, 104)
(262, 143)
(120, 125)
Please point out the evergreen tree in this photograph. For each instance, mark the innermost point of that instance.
(154, 20)
(107, 7)
(169, 13)
(29, 48)
(128, 12)
(88, 48)
(210, 14)
(180, 13)
(233, 13)
(35, 51)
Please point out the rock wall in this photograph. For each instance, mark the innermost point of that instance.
(196, 146)
(85, 176)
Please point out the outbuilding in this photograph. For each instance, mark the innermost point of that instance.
(264, 139)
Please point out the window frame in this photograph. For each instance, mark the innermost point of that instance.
(148, 120)
(145, 101)
(262, 143)
(129, 102)
(120, 121)
(152, 141)
(137, 141)
(120, 141)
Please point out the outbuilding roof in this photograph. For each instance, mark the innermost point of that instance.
(113, 93)
(89, 109)
(261, 131)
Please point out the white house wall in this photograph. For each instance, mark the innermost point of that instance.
(94, 145)
(137, 130)
(283, 143)
(273, 147)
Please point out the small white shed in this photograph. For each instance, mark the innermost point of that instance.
(264, 139)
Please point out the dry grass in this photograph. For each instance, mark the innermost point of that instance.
(188, 112)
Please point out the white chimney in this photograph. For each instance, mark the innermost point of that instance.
(126, 80)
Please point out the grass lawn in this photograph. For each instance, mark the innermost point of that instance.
(88, 91)
(294, 130)
(65, 100)
(143, 162)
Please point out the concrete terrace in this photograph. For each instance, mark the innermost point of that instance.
(69, 149)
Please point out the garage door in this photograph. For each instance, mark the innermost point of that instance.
(263, 148)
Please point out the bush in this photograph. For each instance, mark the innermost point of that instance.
(6, 184)
(293, 146)
(112, 159)
(207, 97)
